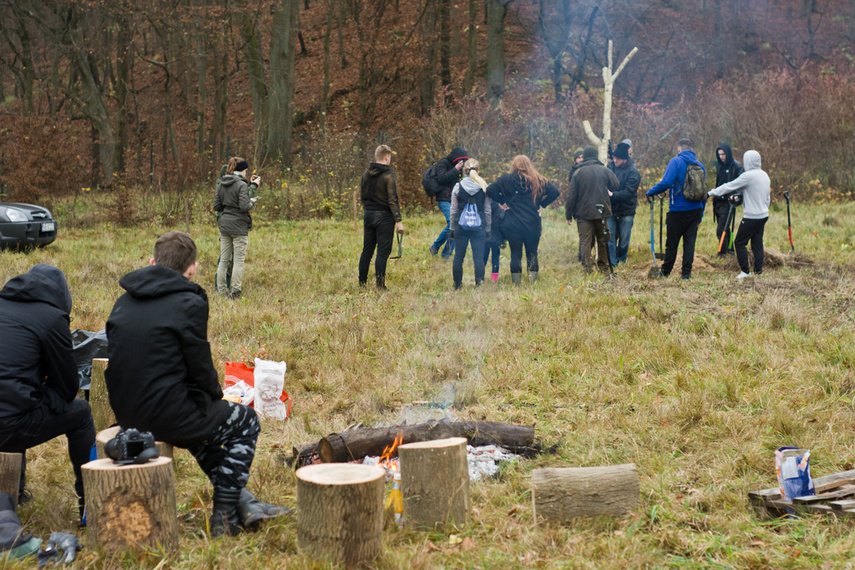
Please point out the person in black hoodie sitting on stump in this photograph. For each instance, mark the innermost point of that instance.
(525, 192)
(161, 379)
(38, 376)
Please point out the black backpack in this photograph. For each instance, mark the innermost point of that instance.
(430, 182)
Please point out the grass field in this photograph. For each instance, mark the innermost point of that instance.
(696, 382)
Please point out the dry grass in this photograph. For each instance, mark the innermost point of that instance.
(696, 382)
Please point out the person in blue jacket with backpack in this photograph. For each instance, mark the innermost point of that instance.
(684, 215)
(471, 220)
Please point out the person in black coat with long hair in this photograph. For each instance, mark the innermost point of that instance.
(728, 169)
(524, 191)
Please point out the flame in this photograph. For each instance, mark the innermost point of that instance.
(391, 451)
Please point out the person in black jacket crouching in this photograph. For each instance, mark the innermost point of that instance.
(38, 376)
(525, 192)
(161, 379)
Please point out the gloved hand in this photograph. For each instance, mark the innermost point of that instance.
(59, 541)
(649, 198)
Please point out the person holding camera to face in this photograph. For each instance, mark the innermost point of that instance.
(234, 199)
(161, 379)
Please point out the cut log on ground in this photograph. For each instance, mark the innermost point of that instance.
(561, 494)
(103, 436)
(356, 444)
(340, 512)
(131, 506)
(435, 482)
(99, 400)
(10, 474)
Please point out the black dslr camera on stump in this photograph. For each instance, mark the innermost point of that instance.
(131, 446)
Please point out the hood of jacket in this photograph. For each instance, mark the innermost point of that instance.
(470, 186)
(376, 169)
(728, 154)
(751, 160)
(231, 179)
(457, 154)
(41, 284)
(156, 281)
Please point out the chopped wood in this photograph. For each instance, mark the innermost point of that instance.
(768, 503)
(845, 491)
(359, 443)
(842, 505)
(562, 494)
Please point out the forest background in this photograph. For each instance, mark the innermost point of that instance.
(148, 98)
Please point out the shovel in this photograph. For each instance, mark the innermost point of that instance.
(789, 221)
(400, 247)
(654, 271)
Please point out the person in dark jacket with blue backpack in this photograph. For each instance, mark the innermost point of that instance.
(445, 175)
(525, 192)
(471, 219)
(684, 215)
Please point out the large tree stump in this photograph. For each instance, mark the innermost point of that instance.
(340, 512)
(562, 494)
(105, 435)
(10, 474)
(435, 482)
(131, 506)
(99, 400)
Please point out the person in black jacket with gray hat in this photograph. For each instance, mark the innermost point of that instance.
(38, 375)
(624, 201)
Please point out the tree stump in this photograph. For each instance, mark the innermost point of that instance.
(10, 474)
(340, 512)
(131, 506)
(561, 494)
(103, 436)
(99, 399)
(435, 482)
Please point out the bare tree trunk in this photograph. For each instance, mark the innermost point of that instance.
(445, 50)
(325, 93)
(123, 59)
(472, 54)
(428, 81)
(201, 87)
(28, 69)
(340, 28)
(255, 68)
(281, 96)
(496, 10)
(217, 136)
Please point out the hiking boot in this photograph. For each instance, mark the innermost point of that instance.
(743, 275)
(516, 278)
(686, 277)
(495, 277)
(532, 276)
(433, 251)
(381, 283)
(234, 295)
(251, 511)
(224, 518)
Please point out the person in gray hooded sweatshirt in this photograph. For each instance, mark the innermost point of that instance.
(754, 184)
(233, 199)
(468, 198)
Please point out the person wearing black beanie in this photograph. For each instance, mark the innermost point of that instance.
(624, 202)
(448, 173)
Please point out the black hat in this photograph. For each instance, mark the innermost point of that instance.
(590, 152)
(621, 151)
(457, 154)
(241, 166)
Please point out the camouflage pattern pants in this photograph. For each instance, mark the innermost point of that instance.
(227, 455)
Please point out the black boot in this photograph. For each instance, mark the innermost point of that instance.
(381, 283)
(251, 511)
(224, 518)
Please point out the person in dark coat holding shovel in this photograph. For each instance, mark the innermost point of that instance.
(38, 376)
(382, 217)
(727, 170)
(591, 186)
(161, 379)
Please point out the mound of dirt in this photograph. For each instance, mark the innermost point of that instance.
(772, 258)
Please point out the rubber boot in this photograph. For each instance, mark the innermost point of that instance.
(224, 518)
(251, 511)
(516, 278)
(495, 276)
(532, 276)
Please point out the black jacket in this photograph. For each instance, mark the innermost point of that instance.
(379, 189)
(522, 213)
(625, 199)
(36, 363)
(233, 200)
(447, 175)
(726, 171)
(590, 186)
(161, 377)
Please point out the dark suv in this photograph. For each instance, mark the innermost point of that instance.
(25, 226)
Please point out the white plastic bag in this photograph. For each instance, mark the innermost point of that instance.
(270, 389)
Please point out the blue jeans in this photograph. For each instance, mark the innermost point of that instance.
(445, 208)
(620, 228)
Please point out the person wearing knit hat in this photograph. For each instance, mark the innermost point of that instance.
(578, 157)
(628, 143)
(448, 175)
(624, 202)
(590, 188)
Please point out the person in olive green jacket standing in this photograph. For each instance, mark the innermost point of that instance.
(233, 200)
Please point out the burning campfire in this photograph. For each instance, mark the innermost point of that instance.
(388, 460)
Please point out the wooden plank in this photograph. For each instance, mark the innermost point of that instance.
(842, 505)
(845, 491)
(831, 485)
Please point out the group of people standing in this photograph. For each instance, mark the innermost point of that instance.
(601, 198)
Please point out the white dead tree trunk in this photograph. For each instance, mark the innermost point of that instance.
(609, 78)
